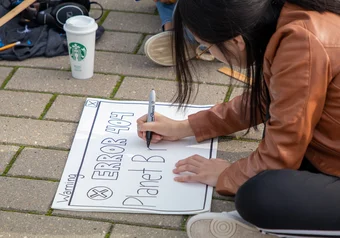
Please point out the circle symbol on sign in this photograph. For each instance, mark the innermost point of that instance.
(99, 193)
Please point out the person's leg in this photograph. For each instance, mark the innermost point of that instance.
(165, 13)
(159, 49)
(280, 202)
(291, 200)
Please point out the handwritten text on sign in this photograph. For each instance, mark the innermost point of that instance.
(110, 168)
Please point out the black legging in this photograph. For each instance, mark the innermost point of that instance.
(303, 199)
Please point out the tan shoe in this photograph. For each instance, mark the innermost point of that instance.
(158, 49)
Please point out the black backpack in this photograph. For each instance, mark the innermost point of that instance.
(54, 13)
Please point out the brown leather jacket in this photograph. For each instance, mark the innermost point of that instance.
(302, 71)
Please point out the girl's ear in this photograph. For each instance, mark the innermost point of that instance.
(238, 40)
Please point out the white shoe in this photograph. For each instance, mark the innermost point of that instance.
(221, 225)
(158, 49)
(232, 225)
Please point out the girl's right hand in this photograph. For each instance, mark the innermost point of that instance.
(163, 128)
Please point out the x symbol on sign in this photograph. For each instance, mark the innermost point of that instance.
(91, 103)
(99, 193)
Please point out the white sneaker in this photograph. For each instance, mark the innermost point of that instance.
(232, 225)
(158, 49)
(221, 225)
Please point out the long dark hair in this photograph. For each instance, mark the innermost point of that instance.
(217, 21)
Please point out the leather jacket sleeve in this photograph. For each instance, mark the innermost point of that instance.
(222, 119)
(297, 75)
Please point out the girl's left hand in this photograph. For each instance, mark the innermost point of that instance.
(203, 170)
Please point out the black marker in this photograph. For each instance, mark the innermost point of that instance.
(151, 115)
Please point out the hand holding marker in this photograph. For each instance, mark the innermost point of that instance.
(151, 115)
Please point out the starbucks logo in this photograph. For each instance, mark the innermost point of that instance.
(77, 51)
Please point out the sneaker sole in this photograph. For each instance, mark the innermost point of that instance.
(158, 49)
(221, 226)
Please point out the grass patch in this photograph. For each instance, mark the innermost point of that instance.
(3, 85)
(9, 166)
(49, 212)
(227, 97)
(108, 234)
(120, 81)
(103, 18)
(140, 43)
(184, 222)
(48, 106)
(35, 178)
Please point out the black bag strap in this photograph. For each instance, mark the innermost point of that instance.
(101, 8)
(7, 4)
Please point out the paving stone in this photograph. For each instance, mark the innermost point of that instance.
(210, 94)
(206, 72)
(4, 72)
(23, 103)
(139, 65)
(141, 49)
(26, 194)
(59, 62)
(15, 224)
(164, 221)
(139, 89)
(36, 132)
(141, 6)
(66, 108)
(222, 206)
(132, 65)
(39, 163)
(62, 82)
(95, 13)
(6, 154)
(118, 41)
(233, 150)
(222, 197)
(125, 231)
(133, 22)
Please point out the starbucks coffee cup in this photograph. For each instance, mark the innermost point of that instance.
(81, 39)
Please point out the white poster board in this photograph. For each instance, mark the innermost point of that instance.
(110, 169)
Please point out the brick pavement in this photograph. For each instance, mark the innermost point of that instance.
(41, 106)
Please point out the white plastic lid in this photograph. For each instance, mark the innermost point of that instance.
(80, 25)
